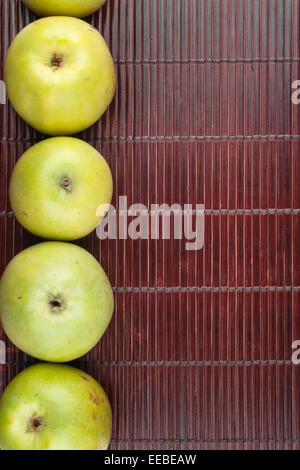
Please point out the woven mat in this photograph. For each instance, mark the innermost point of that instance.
(198, 355)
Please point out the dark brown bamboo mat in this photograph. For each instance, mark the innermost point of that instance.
(198, 355)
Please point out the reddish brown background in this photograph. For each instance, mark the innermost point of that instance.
(198, 355)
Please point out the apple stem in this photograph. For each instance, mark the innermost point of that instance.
(56, 304)
(35, 423)
(66, 183)
(56, 60)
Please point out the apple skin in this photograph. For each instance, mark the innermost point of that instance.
(57, 186)
(55, 301)
(54, 407)
(78, 8)
(59, 75)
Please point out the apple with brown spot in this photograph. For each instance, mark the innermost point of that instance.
(54, 407)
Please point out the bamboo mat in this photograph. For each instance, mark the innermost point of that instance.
(198, 354)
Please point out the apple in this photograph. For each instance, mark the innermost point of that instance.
(57, 186)
(59, 75)
(79, 8)
(55, 301)
(54, 407)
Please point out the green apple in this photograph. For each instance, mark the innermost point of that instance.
(57, 186)
(59, 75)
(79, 8)
(54, 407)
(55, 301)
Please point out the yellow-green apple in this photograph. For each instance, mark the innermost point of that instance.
(54, 407)
(55, 301)
(57, 186)
(78, 8)
(60, 75)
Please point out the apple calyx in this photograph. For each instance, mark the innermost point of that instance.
(35, 423)
(56, 60)
(56, 303)
(66, 183)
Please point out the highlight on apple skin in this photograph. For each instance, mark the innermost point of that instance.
(56, 301)
(78, 8)
(57, 186)
(54, 407)
(60, 75)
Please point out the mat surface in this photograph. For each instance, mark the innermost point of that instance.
(198, 355)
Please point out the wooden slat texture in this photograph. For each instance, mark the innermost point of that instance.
(198, 354)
